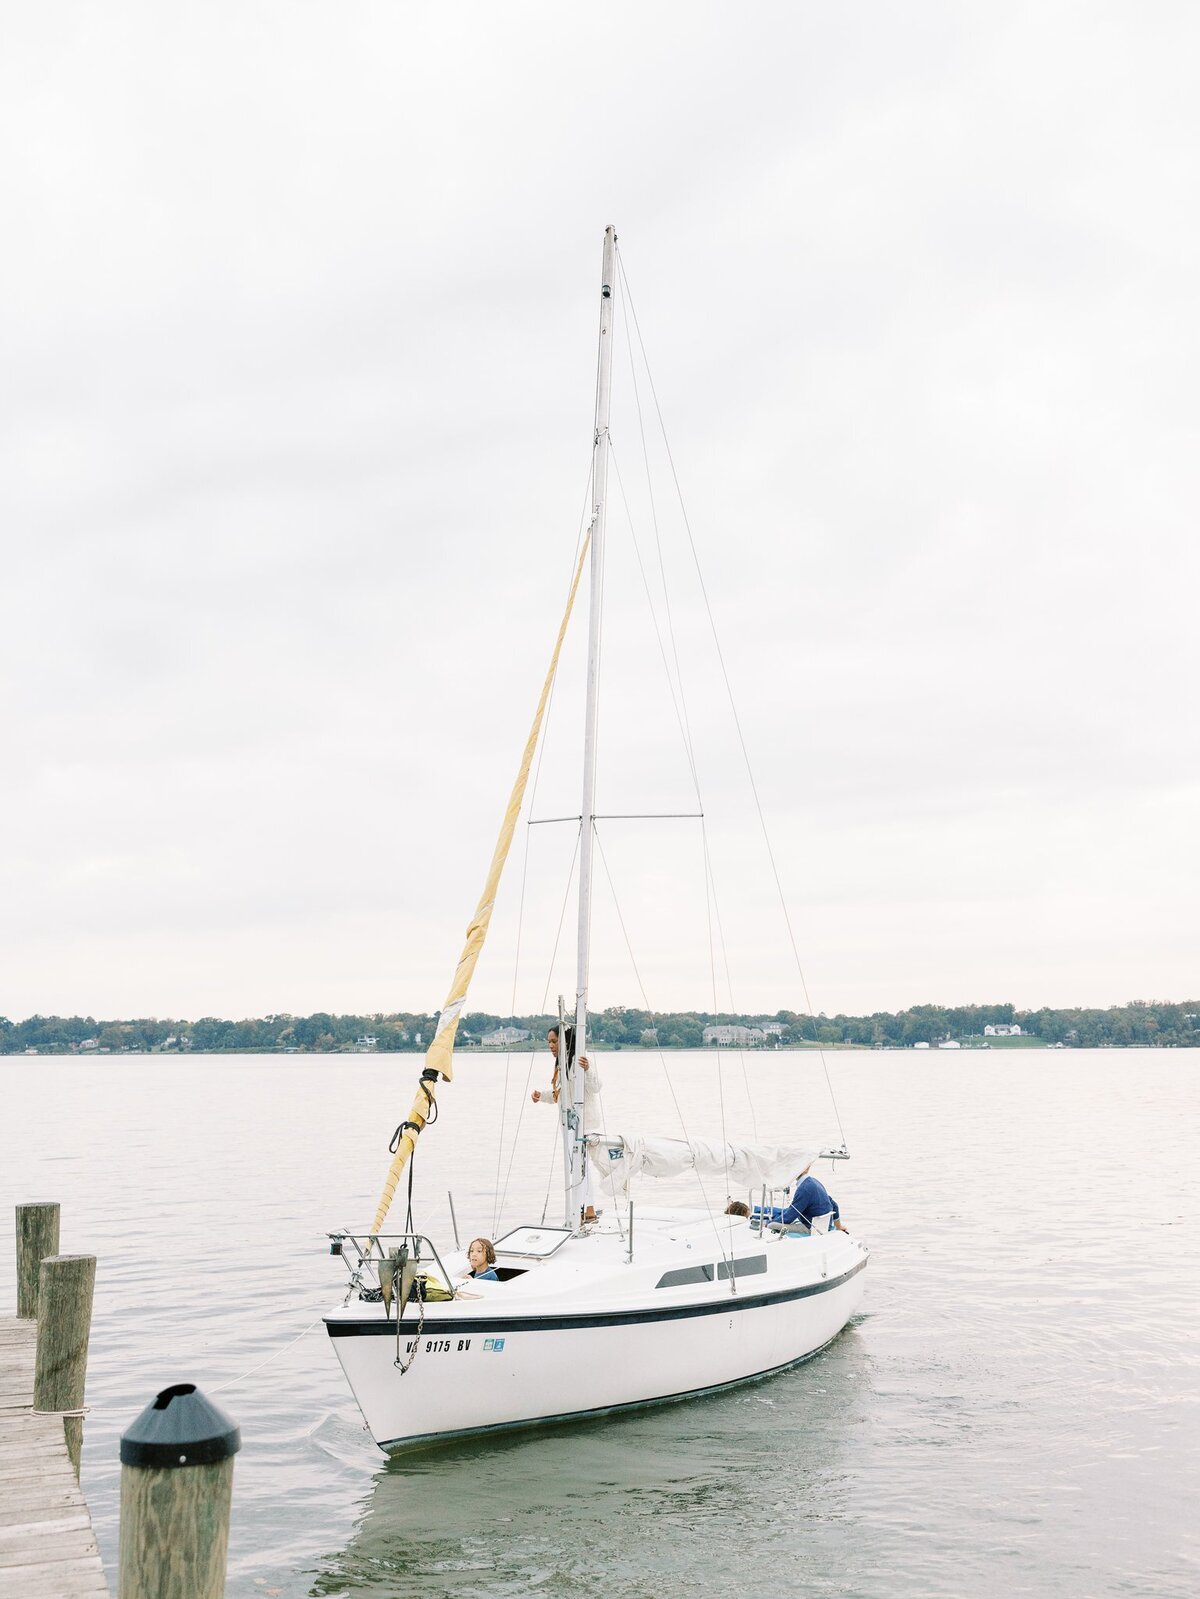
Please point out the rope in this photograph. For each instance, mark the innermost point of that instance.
(233, 1382)
(83, 1410)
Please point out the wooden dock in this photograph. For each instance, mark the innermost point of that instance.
(47, 1545)
(176, 1458)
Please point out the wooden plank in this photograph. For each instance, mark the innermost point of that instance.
(36, 1582)
(77, 1561)
(37, 1504)
(43, 1462)
(81, 1572)
(18, 1462)
(21, 1441)
(56, 1519)
(45, 1585)
(34, 1545)
(18, 1467)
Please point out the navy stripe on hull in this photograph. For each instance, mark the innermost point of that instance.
(393, 1446)
(444, 1326)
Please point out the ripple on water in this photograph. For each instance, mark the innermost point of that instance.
(1012, 1411)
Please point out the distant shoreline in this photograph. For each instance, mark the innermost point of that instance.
(1139, 1025)
(476, 1051)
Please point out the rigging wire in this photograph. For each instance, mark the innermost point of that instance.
(662, 649)
(662, 571)
(710, 886)
(662, 1062)
(711, 881)
(628, 296)
(685, 723)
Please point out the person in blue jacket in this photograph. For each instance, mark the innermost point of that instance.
(811, 1200)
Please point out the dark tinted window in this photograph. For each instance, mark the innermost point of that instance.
(752, 1266)
(688, 1274)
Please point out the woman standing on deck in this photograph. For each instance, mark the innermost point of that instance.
(591, 1101)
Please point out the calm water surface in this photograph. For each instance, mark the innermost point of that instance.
(1016, 1410)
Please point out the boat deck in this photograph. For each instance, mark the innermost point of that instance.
(680, 1259)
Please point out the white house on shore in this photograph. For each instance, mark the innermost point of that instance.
(1002, 1030)
(723, 1036)
(504, 1037)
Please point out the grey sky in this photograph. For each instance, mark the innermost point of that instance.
(298, 342)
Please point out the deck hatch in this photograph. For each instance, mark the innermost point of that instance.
(534, 1243)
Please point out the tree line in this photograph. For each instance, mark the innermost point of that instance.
(1154, 1024)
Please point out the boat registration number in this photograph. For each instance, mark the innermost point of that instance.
(443, 1346)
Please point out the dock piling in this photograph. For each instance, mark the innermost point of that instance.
(64, 1317)
(37, 1237)
(176, 1490)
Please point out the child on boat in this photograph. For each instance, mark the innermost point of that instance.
(481, 1253)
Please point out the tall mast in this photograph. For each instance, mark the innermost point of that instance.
(575, 1151)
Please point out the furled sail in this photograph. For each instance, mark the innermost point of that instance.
(619, 1158)
(439, 1059)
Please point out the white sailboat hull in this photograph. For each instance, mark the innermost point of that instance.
(519, 1356)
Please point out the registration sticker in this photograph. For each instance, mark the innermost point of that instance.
(494, 1344)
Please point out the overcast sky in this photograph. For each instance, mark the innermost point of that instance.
(299, 326)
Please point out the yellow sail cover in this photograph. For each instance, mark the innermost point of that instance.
(439, 1059)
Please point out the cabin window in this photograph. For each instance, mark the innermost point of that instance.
(684, 1275)
(752, 1266)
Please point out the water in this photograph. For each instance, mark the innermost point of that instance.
(1014, 1412)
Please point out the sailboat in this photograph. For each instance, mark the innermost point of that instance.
(641, 1305)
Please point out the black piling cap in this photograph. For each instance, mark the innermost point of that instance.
(181, 1428)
